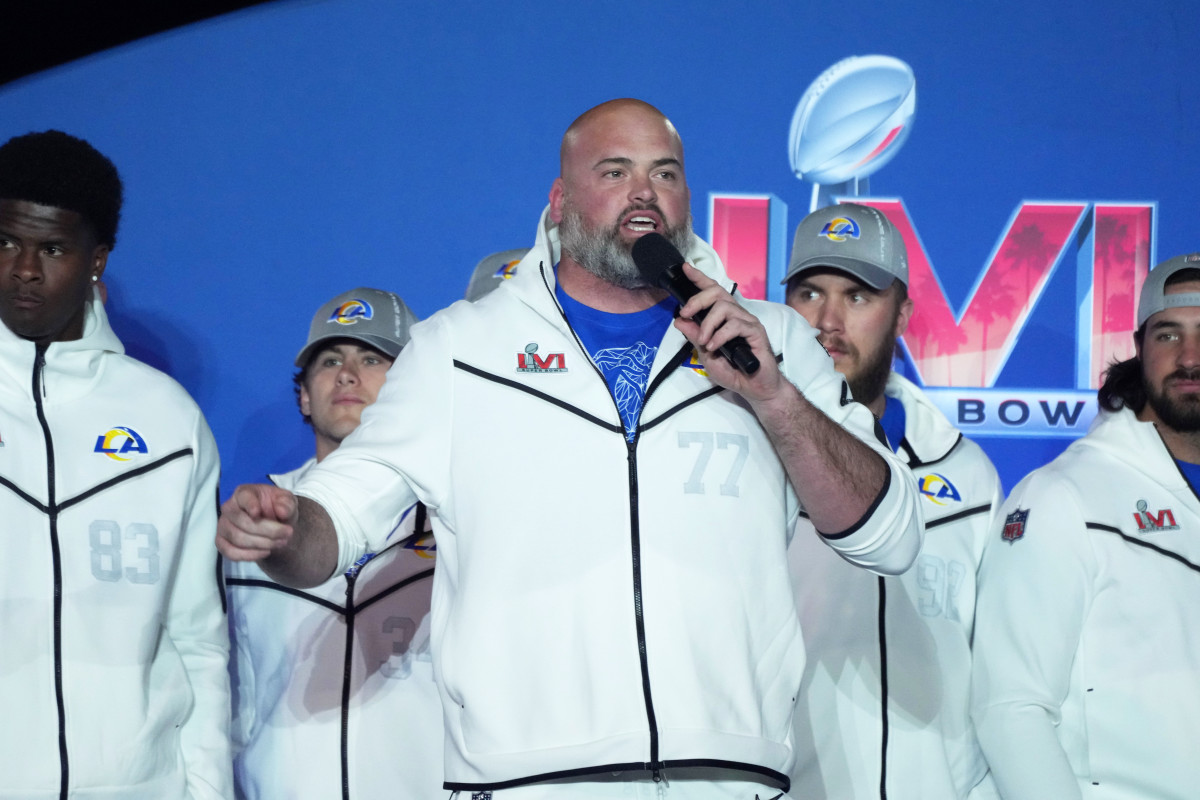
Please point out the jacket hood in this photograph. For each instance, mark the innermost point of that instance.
(1119, 435)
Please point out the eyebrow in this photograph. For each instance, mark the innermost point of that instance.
(1164, 323)
(628, 162)
(858, 286)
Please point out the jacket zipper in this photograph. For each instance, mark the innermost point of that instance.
(654, 765)
(346, 674)
(39, 367)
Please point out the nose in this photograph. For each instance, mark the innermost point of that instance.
(829, 318)
(27, 267)
(1189, 353)
(347, 374)
(641, 189)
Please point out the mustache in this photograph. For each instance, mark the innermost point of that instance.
(837, 343)
(1185, 374)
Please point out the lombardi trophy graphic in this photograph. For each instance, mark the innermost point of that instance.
(850, 122)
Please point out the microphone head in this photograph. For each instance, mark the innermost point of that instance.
(654, 255)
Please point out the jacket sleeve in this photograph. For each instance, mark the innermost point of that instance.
(888, 537)
(397, 455)
(1034, 594)
(196, 625)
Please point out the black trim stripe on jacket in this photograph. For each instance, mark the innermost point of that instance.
(1162, 551)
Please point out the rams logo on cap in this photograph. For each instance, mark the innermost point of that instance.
(351, 312)
(119, 441)
(840, 229)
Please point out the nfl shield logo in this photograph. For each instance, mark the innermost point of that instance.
(1014, 525)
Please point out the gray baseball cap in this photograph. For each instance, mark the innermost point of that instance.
(374, 317)
(857, 239)
(492, 271)
(1154, 297)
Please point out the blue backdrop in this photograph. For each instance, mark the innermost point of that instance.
(285, 153)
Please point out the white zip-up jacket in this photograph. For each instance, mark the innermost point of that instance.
(1087, 637)
(599, 604)
(333, 685)
(884, 708)
(114, 648)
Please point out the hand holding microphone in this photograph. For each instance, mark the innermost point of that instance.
(661, 264)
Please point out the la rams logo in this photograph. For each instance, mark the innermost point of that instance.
(939, 489)
(506, 271)
(692, 362)
(119, 442)
(422, 545)
(840, 229)
(351, 312)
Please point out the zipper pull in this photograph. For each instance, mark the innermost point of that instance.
(39, 366)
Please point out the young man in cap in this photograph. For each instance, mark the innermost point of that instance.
(612, 613)
(1087, 651)
(113, 650)
(333, 686)
(884, 707)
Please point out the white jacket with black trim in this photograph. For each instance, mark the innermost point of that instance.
(113, 641)
(333, 686)
(1087, 640)
(599, 605)
(884, 708)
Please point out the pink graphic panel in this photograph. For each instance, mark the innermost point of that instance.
(971, 349)
(1121, 261)
(740, 234)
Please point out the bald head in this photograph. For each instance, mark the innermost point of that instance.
(614, 113)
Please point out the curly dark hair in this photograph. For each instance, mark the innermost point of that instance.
(53, 168)
(298, 380)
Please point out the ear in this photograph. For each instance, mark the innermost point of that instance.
(100, 260)
(305, 402)
(557, 191)
(902, 318)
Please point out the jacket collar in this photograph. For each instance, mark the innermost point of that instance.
(71, 366)
(928, 434)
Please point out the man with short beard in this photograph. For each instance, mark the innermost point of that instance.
(884, 707)
(1087, 660)
(612, 614)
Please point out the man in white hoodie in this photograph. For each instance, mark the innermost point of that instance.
(1086, 680)
(884, 707)
(113, 645)
(611, 499)
(333, 686)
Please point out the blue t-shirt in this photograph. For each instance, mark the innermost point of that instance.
(893, 421)
(623, 347)
(1192, 473)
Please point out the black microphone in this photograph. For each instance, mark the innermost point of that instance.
(662, 265)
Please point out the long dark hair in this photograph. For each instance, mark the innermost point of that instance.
(1123, 386)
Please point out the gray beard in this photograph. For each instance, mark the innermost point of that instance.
(603, 253)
